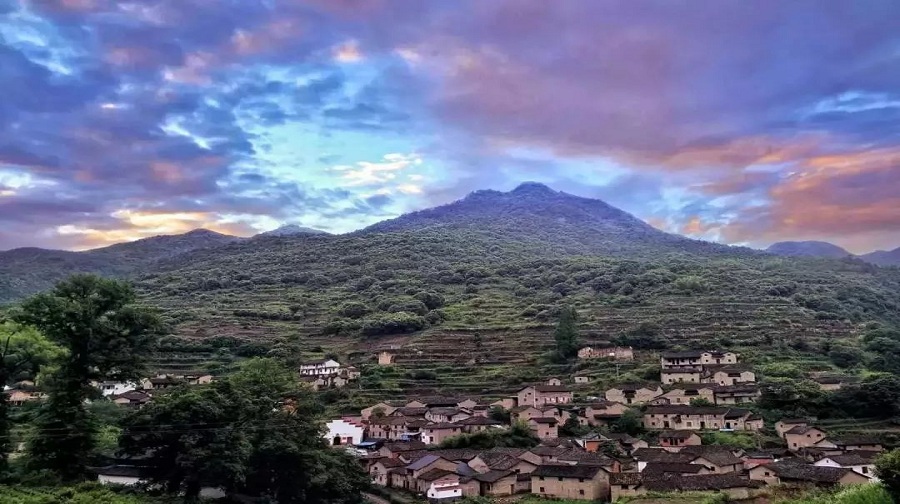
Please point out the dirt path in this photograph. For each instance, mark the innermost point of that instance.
(374, 499)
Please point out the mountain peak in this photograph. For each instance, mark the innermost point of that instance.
(293, 229)
(533, 188)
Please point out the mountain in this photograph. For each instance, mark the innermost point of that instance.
(292, 230)
(536, 214)
(883, 257)
(808, 249)
(25, 271)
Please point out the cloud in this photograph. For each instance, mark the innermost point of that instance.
(745, 122)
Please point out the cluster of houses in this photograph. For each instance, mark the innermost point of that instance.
(399, 446)
(327, 373)
(703, 391)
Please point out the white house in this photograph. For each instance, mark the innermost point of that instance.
(859, 462)
(345, 431)
(445, 489)
(110, 388)
(320, 368)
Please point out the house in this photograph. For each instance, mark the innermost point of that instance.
(446, 414)
(699, 418)
(198, 379)
(786, 424)
(133, 398)
(110, 388)
(503, 460)
(526, 413)
(379, 470)
(604, 412)
(625, 484)
(631, 393)
(696, 358)
(682, 469)
(581, 379)
(386, 358)
(802, 436)
(851, 443)
(540, 395)
(380, 409)
(584, 482)
(436, 433)
(645, 456)
(830, 383)
(862, 462)
(345, 431)
(545, 427)
(443, 489)
(734, 486)
(325, 367)
(627, 443)
(681, 374)
(794, 472)
(433, 402)
(717, 459)
(684, 393)
(17, 397)
(735, 394)
(126, 475)
(553, 382)
(728, 375)
(475, 424)
(408, 478)
(394, 450)
(615, 353)
(754, 459)
(496, 483)
(468, 404)
(162, 382)
(678, 438)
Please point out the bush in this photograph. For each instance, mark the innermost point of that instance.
(395, 323)
(431, 300)
(353, 309)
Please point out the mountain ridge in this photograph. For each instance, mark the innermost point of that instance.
(810, 248)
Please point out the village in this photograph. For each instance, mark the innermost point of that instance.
(400, 443)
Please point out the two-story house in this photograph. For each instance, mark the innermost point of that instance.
(540, 395)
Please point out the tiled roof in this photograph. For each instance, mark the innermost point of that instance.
(492, 476)
(806, 472)
(478, 420)
(854, 458)
(672, 467)
(854, 440)
(546, 389)
(699, 483)
(625, 478)
(545, 420)
(434, 474)
(405, 446)
(442, 425)
(685, 410)
(801, 429)
(423, 462)
(567, 471)
(660, 455)
(457, 454)
(499, 461)
(687, 354)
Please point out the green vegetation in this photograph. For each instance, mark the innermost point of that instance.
(859, 494)
(85, 493)
(887, 468)
(518, 436)
(566, 334)
(106, 336)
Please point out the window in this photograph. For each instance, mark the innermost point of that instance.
(560, 479)
(865, 470)
(767, 473)
(581, 492)
(542, 479)
(624, 487)
(541, 490)
(581, 480)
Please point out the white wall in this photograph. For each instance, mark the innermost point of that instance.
(344, 429)
(443, 492)
(118, 388)
(117, 480)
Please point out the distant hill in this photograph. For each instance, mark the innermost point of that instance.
(25, 271)
(292, 230)
(808, 249)
(883, 257)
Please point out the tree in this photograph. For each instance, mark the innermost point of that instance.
(701, 401)
(23, 350)
(566, 334)
(887, 469)
(628, 423)
(256, 432)
(105, 336)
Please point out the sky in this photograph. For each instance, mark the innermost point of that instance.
(737, 122)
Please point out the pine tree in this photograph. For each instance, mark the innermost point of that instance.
(566, 334)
